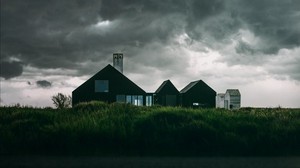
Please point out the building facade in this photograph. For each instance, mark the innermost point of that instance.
(198, 94)
(166, 94)
(220, 98)
(111, 85)
(232, 99)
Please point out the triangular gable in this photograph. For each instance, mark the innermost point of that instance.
(110, 73)
(189, 86)
(192, 84)
(167, 86)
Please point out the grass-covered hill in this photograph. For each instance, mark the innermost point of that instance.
(103, 129)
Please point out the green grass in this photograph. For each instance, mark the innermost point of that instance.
(98, 128)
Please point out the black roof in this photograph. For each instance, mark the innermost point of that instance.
(165, 84)
(191, 85)
(109, 70)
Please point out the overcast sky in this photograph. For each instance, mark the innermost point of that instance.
(54, 46)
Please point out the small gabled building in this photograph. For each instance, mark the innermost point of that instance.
(232, 99)
(198, 94)
(220, 98)
(166, 94)
(109, 85)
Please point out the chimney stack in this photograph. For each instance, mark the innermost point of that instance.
(118, 61)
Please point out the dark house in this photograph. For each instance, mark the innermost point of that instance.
(110, 85)
(198, 94)
(166, 94)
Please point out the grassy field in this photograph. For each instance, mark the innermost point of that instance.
(103, 129)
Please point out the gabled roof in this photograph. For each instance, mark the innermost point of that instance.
(110, 72)
(192, 84)
(166, 83)
(189, 86)
(161, 86)
(233, 92)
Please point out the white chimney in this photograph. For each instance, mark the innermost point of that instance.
(118, 61)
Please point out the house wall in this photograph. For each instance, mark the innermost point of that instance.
(199, 94)
(235, 102)
(118, 85)
(227, 101)
(220, 101)
(167, 95)
(232, 101)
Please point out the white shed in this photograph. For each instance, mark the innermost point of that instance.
(220, 98)
(232, 99)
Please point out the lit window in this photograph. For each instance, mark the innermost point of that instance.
(101, 86)
(135, 100)
(148, 100)
(128, 99)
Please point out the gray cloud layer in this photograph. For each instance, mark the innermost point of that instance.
(63, 34)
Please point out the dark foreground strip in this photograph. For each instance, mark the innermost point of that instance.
(149, 162)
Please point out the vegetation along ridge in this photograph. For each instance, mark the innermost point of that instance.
(97, 128)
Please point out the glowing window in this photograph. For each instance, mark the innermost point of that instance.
(148, 100)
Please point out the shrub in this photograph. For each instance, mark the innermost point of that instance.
(62, 101)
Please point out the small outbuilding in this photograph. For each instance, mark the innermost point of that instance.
(198, 94)
(220, 98)
(166, 94)
(232, 99)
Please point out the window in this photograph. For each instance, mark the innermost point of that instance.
(148, 100)
(140, 101)
(134, 99)
(128, 99)
(120, 98)
(101, 86)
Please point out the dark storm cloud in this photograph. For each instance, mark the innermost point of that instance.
(276, 22)
(37, 31)
(43, 83)
(64, 34)
(10, 69)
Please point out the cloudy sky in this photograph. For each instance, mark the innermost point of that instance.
(54, 46)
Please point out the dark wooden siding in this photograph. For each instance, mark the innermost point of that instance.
(199, 93)
(118, 85)
(167, 94)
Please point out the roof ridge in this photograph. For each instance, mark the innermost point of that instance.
(163, 84)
